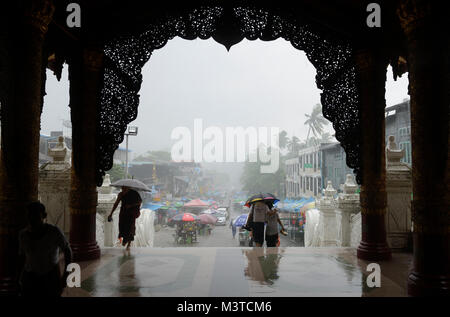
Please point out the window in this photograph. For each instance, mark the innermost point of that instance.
(404, 131)
(407, 146)
(337, 173)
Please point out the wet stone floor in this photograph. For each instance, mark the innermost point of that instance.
(238, 272)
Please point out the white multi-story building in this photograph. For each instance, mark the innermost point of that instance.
(120, 156)
(292, 178)
(303, 173)
(310, 171)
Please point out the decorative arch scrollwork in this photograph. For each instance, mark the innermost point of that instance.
(125, 57)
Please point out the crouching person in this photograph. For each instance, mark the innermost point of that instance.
(39, 246)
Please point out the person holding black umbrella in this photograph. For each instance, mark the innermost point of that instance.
(256, 221)
(129, 211)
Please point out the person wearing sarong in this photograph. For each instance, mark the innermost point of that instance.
(256, 221)
(129, 211)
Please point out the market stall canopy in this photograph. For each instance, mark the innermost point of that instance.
(196, 203)
(152, 206)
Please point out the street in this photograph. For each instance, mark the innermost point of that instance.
(221, 236)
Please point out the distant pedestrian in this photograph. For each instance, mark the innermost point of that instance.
(272, 237)
(39, 247)
(233, 228)
(129, 211)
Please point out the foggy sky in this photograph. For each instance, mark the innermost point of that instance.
(259, 84)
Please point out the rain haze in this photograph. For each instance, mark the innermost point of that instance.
(255, 84)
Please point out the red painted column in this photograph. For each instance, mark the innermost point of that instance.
(85, 75)
(426, 28)
(20, 121)
(371, 67)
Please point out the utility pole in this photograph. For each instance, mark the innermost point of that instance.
(131, 131)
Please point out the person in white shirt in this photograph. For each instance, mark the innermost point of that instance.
(273, 219)
(39, 246)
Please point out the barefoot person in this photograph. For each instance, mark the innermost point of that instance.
(129, 211)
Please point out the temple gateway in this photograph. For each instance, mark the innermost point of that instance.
(105, 56)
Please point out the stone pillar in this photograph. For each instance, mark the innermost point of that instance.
(54, 185)
(85, 77)
(20, 124)
(371, 68)
(106, 200)
(399, 189)
(327, 207)
(425, 25)
(348, 205)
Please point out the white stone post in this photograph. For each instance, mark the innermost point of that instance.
(327, 207)
(399, 189)
(54, 186)
(106, 199)
(348, 205)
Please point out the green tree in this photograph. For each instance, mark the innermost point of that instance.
(315, 121)
(154, 156)
(283, 140)
(254, 181)
(294, 145)
(116, 172)
(326, 137)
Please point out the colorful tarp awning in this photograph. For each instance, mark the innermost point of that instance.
(196, 203)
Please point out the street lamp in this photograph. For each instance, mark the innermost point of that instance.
(131, 131)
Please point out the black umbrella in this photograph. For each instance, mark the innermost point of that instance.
(265, 197)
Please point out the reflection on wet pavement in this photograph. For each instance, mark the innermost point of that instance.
(237, 272)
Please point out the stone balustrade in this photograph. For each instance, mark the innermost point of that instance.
(107, 232)
(347, 207)
(399, 189)
(54, 186)
(327, 221)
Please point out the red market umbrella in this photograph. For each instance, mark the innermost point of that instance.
(207, 219)
(187, 216)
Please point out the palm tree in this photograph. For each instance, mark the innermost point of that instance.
(294, 144)
(326, 137)
(315, 121)
(283, 139)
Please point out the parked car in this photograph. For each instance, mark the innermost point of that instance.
(224, 210)
(221, 219)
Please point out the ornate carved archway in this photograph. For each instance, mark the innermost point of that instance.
(331, 56)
